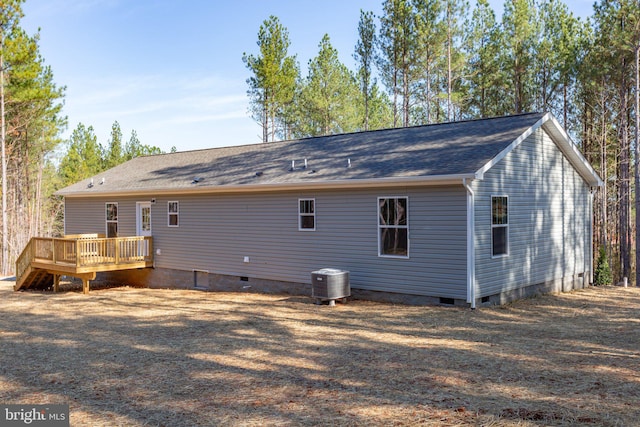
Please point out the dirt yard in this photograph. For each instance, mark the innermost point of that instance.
(135, 357)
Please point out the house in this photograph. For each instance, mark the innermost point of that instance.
(471, 212)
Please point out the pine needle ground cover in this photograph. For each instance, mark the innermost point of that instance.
(134, 357)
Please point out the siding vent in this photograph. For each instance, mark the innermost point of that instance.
(244, 279)
(447, 301)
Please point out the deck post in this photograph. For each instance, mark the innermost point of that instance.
(86, 278)
(77, 244)
(56, 283)
(149, 242)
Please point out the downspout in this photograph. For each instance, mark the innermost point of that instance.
(471, 262)
(590, 213)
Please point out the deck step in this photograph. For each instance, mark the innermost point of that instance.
(36, 278)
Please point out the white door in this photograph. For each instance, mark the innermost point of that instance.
(143, 220)
(143, 225)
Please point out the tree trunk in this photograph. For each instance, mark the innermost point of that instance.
(449, 37)
(623, 226)
(265, 118)
(405, 97)
(5, 239)
(637, 163)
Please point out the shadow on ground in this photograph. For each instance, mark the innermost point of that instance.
(157, 357)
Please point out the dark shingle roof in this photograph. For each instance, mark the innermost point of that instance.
(439, 150)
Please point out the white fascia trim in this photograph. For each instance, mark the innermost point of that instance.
(318, 185)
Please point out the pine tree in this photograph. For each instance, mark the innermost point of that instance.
(485, 79)
(114, 153)
(31, 122)
(83, 157)
(134, 148)
(380, 109)
(398, 55)
(9, 16)
(364, 54)
(520, 25)
(327, 95)
(273, 84)
(557, 53)
(431, 33)
(453, 12)
(602, 275)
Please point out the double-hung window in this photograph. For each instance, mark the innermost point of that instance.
(112, 219)
(307, 214)
(499, 226)
(173, 210)
(393, 227)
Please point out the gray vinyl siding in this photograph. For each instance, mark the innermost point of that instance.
(216, 232)
(549, 218)
(89, 216)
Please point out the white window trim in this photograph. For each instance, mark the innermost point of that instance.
(300, 214)
(381, 255)
(506, 254)
(107, 220)
(169, 213)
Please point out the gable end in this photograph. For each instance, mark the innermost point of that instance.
(564, 143)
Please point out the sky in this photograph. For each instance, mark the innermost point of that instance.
(172, 70)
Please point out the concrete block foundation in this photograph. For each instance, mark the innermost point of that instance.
(163, 278)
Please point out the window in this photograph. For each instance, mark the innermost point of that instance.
(112, 219)
(499, 225)
(393, 227)
(307, 214)
(173, 209)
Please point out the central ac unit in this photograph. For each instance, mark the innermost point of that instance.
(330, 284)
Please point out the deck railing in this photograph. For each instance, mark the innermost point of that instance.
(85, 251)
(84, 255)
(24, 260)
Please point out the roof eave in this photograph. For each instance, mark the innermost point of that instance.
(434, 180)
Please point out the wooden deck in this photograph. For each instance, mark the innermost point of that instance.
(45, 259)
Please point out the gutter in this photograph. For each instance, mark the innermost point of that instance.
(416, 181)
(471, 258)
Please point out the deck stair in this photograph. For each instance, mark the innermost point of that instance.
(36, 278)
(45, 259)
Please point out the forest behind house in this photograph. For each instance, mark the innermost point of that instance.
(420, 62)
